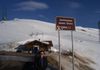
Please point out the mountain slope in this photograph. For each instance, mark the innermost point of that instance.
(22, 30)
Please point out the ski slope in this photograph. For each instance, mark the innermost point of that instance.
(19, 31)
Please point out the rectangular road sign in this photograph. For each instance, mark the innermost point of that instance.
(64, 23)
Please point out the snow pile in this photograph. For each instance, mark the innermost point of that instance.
(19, 31)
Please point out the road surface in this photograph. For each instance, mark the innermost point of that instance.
(21, 62)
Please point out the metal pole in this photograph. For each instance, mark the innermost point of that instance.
(99, 30)
(59, 49)
(72, 51)
(99, 35)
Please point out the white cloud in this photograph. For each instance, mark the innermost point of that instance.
(41, 16)
(74, 5)
(31, 5)
(98, 12)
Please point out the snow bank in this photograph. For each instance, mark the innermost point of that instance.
(86, 41)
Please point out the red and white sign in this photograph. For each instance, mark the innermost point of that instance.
(64, 23)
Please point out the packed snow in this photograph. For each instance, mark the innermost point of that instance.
(19, 31)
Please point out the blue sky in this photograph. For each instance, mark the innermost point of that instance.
(86, 12)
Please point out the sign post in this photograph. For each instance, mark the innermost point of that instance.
(59, 48)
(72, 50)
(63, 23)
(99, 29)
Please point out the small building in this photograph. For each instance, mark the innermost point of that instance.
(41, 45)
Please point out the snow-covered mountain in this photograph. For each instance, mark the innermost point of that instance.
(86, 42)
